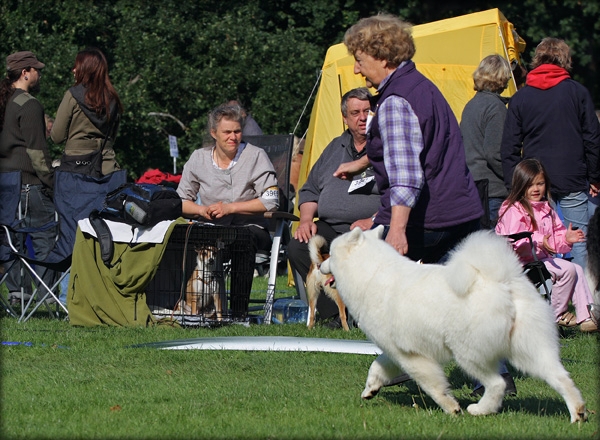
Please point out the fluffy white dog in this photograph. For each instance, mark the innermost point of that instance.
(478, 308)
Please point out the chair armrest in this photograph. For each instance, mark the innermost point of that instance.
(524, 234)
(519, 235)
(281, 214)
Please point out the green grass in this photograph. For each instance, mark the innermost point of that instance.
(90, 383)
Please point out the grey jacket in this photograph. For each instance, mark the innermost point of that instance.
(481, 127)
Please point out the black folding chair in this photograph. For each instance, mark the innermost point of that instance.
(279, 149)
(535, 270)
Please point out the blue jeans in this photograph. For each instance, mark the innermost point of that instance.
(64, 288)
(37, 209)
(433, 245)
(494, 203)
(575, 210)
(502, 369)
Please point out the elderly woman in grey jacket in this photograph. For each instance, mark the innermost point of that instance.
(232, 182)
(481, 127)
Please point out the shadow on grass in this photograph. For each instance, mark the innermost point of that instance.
(409, 394)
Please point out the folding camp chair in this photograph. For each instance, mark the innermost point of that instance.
(279, 148)
(535, 270)
(16, 251)
(75, 196)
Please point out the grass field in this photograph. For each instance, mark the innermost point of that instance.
(65, 382)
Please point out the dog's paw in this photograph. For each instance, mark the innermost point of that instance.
(369, 393)
(449, 404)
(580, 415)
(476, 409)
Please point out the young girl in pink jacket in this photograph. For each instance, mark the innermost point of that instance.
(527, 209)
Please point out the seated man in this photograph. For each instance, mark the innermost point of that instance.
(340, 205)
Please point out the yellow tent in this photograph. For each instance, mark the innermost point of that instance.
(447, 52)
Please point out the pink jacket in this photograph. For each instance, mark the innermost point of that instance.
(516, 220)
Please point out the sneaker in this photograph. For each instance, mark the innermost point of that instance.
(588, 326)
(594, 310)
(15, 298)
(50, 300)
(510, 390)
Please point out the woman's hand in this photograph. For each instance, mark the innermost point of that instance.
(574, 235)
(203, 211)
(218, 210)
(397, 238)
(397, 233)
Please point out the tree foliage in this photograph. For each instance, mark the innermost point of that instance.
(182, 58)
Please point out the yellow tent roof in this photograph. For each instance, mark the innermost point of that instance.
(447, 52)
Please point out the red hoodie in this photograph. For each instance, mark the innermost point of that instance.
(546, 76)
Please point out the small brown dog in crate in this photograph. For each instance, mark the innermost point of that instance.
(203, 290)
(315, 281)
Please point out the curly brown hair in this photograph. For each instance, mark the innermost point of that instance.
(384, 37)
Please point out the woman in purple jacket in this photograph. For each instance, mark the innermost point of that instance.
(429, 201)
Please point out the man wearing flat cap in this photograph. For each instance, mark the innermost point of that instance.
(23, 148)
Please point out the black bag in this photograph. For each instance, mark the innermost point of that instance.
(137, 204)
(89, 164)
(141, 204)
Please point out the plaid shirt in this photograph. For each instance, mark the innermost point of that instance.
(403, 143)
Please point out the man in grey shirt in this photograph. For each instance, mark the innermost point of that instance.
(339, 205)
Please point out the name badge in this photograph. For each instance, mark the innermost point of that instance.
(360, 183)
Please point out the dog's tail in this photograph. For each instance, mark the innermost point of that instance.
(593, 251)
(315, 244)
(482, 255)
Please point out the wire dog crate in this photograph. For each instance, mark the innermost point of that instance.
(205, 275)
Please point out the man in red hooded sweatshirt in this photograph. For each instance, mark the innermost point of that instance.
(553, 120)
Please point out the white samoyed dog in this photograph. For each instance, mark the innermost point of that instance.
(478, 308)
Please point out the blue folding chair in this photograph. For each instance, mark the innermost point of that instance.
(75, 196)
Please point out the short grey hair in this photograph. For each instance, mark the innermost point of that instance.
(360, 93)
(225, 111)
